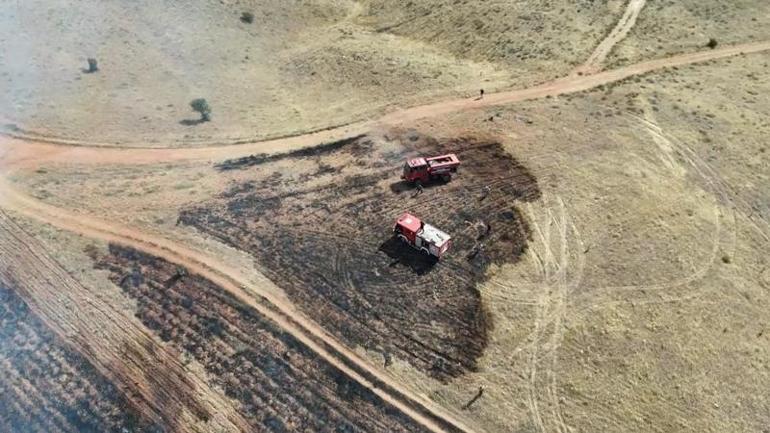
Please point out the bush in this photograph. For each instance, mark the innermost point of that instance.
(712, 43)
(247, 17)
(202, 106)
(92, 65)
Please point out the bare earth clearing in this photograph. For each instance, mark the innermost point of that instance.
(611, 217)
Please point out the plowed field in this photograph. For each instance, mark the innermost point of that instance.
(319, 224)
(280, 384)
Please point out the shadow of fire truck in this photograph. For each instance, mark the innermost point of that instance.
(401, 253)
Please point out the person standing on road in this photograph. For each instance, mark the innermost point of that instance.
(481, 94)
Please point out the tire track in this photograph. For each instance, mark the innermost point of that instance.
(625, 24)
(264, 301)
(543, 261)
(117, 346)
(547, 336)
(557, 277)
(30, 153)
(669, 148)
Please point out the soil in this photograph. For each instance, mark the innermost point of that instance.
(300, 66)
(281, 385)
(635, 307)
(669, 27)
(77, 397)
(328, 242)
(511, 33)
(31, 151)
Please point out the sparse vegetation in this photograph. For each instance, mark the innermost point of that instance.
(247, 17)
(267, 371)
(587, 308)
(70, 389)
(308, 85)
(667, 28)
(93, 65)
(201, 106)
(453, 327)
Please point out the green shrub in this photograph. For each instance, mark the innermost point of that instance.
(202, 106)
(247, 17)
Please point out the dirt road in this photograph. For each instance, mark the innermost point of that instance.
(17, 154)
(278, 310)
(29, 154)
(115, 343)
(626, 23)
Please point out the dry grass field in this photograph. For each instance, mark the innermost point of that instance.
(675, 26)
(299, 66)
(611, 217)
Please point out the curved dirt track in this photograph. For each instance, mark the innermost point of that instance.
(21, 153)
(569, 84)
(283, 313)
(115, 343)
(617, 34)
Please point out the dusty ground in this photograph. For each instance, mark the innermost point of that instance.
(243, 359)
(641, 307)
(34, 358)
(279, 383)
(299, 66)
(544, 37)
(676, 26)
(640, 175)
(622, 284)
(313, 230)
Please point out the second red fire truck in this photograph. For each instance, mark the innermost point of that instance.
(421, 236)
(423, 170)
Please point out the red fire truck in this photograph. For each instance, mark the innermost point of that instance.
(423, 170)
(421, 236)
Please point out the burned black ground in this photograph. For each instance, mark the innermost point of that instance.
(321, 149)
(324, 236)
(46, 386)
(280, 384)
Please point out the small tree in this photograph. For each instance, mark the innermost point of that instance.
(92, 65)
(247, 17)
(201, 106)
(712, 43)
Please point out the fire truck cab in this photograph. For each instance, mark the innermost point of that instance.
(426, 169)
(421, 236)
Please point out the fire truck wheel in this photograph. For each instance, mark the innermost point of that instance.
(446, 177)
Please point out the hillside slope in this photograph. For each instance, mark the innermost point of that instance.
(298, 66)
